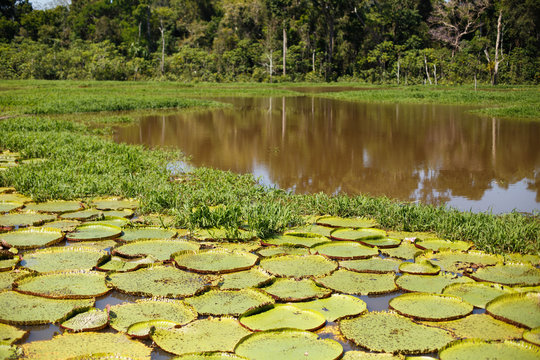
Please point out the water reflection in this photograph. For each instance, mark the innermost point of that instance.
(427, 153)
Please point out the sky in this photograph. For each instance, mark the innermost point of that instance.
(45, 4)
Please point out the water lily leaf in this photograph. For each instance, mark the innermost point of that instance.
(126, 213)
(375, 265)
(350, 282)
(7, 206)
(10, 221)
(147, 233)
(339, 222)
(70, 345)
(357, 234)
(9, 352)
(94, 232)
(509, 274)
(63, 225)
(10, 334)
(254, 277)
(345, 250)
(8, 277)
(288, 344)
(429, 283)
(310, 229)
(216, 261)
(296, 290)
(21, 309)
(361, 355)
(393, 333)
(532, 336)
(470, 349)
(214, 334)
(110, 220)
(32, 237)
(382, 243)
(160, 249)
(523, 258)
(9, 264)
(430, 307)
(405, 251)
(82, 215)
(298, 266)
(6, 190)
(521, 309)
(215, 234)
(214, 355)
(163, 281)
(283, 250)
(124, 315)
(335, 307)
(441, 244)
(90, 320)
(458, 261)
(144, 329)
(229, 302)
(119, 264)
(282, 316)
(479, 326)
(57, 207)
(476, 293)
(247, 246)
(297, 239)
(115, 204)
(14, 197)
(63, 258)
(424, 267)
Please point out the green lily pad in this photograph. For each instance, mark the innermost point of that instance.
(335, 306)
(229, 302)
(361, 355)
(21, 309)
(32, 237)
(14, 197)
(345, 250)
(375, 265)
(282, 316)
(523, 258)
(63, 258)
(213, 355)
(78, 284)
(57, 207)
(509, 274)
(441, 244)
(479, 326)
(350, 282)
(306, 240)
(383, 243)
(430, 307)
(160, 249)
(298, 266)
(124, 315)
(288, 344)
(532, 336)
(339, 222)
(94, 232)
(144, 329)
(217, 334)
(147, 233)
(216, 234)
(286, 289)
(9, 264)
(216, 261)
(283, 250)
(357, 234)
(247, 246)
(254, 277)
(8, 277)
(10, 221)
(91, 320)
(99, 244)
(405, 251)
(82, 215)
(63, 225)
(119, 264)
(126, 213)
(7, 206)
(110, 220)
(6, 190)
(429, 283)
(471, 349)
(476, 293)
(10, 334)
(115, 204)
(521, 309)
(71, 345)
(310, 229)
(9, 352)
(163, 281)
(393, 333)
(424, 267)
(458, 261)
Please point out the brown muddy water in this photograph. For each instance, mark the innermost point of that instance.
(432, 154)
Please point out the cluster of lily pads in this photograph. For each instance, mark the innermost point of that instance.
(9, 159)
(213, 294)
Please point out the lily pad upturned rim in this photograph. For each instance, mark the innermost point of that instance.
(72, 206)
(149, 326)
(424, 267)
(354, 306)
(376, 234)
(65, 250)
(35, 230)
(341, 222)
(448, 290)
(39, 220)
(82, 215)
(115, 233)
(532, 336)
(478, 274)
(445, 352)
(253, 260)
(78, 312)
(509, 297)
(315, 315)
(415, 299)
(11, 206)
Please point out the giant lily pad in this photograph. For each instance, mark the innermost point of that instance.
(91, 320)
(362, 355)
(522, 309)
(94, 232)
(82, 215)
(523, 258)
(229, 302)
(393, 333)
(375, 265)
(147, 233)
(144, 329)
(118, 264)
(429, 283)
(296, 290)
(21, 309)
(6, 190)
(247, 246)
(8, 277)
(9, 264)
(283, 250)
(7, 206)
(350, 282)
(69, 345)
(63, 258)
(14, 197)
(297, 239)
(424, 267)
(339, 222)
(458, 261)
(217, 334)
(383, 243)
(476, 293)
(115, 204)
(32, 237)
(357, 234)
(310, 229)
(212, 355)
(282, 316)
(405, 251)
(9, 334)
(57, 207)
(64, 225)
(254, 277)
(335, 307)
(441, 244)
(430, 307)
(472, 349)
(214, 260)
(78, 284)
(110, 220)
(164, 281)
(214, 234)
(126, 213)
(9, 352)
(298, 266)
(532, 336)
(345, 250)
(288, 344)
(11, 221)
(509, 274)
(160, 249)
(124, 315)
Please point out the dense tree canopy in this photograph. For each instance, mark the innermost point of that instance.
(400, 41)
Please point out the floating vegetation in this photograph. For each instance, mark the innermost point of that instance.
(471, 349)
(229, 302)
(10, 334)
(254, 277)
(212, 355)
(216, 234)
(375, 265)
(351, 282)
(509, 274)
(460, 261)
(297, 239)
(144, 329)
(56, 207)
(521, 309)
(284, 289)
(115, 204)
(146, 233)
(429, 283)
(523, 258)
(119, 264)
(159, 249)
(282, 316)
(94, 232)
(298, 266)
(335, 307)
(63, 225)
(441, 244)
(63, 258)
(7, 206)
(310, 229)
(361, 355)
(214, 261)
(476, 293)
(422, 267)
(430, 307)
(11, 196)
(532, 336)
(9, 352)
(110, 220)
(283, 250)
(8, 277)
(10, 221)
(339, 222)
(405, 251)
(125, 213)
(9, 264)
(32, 237)
(345, 250)
(358, 234)
(90, 320)
(82, 215)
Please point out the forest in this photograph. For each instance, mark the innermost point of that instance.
(374, 41)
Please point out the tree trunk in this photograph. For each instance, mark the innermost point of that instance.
(435, 73)
(427, 71)
(313, 62)
(162, 30)
(398, 71)
(284, 49)
(497, 46)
